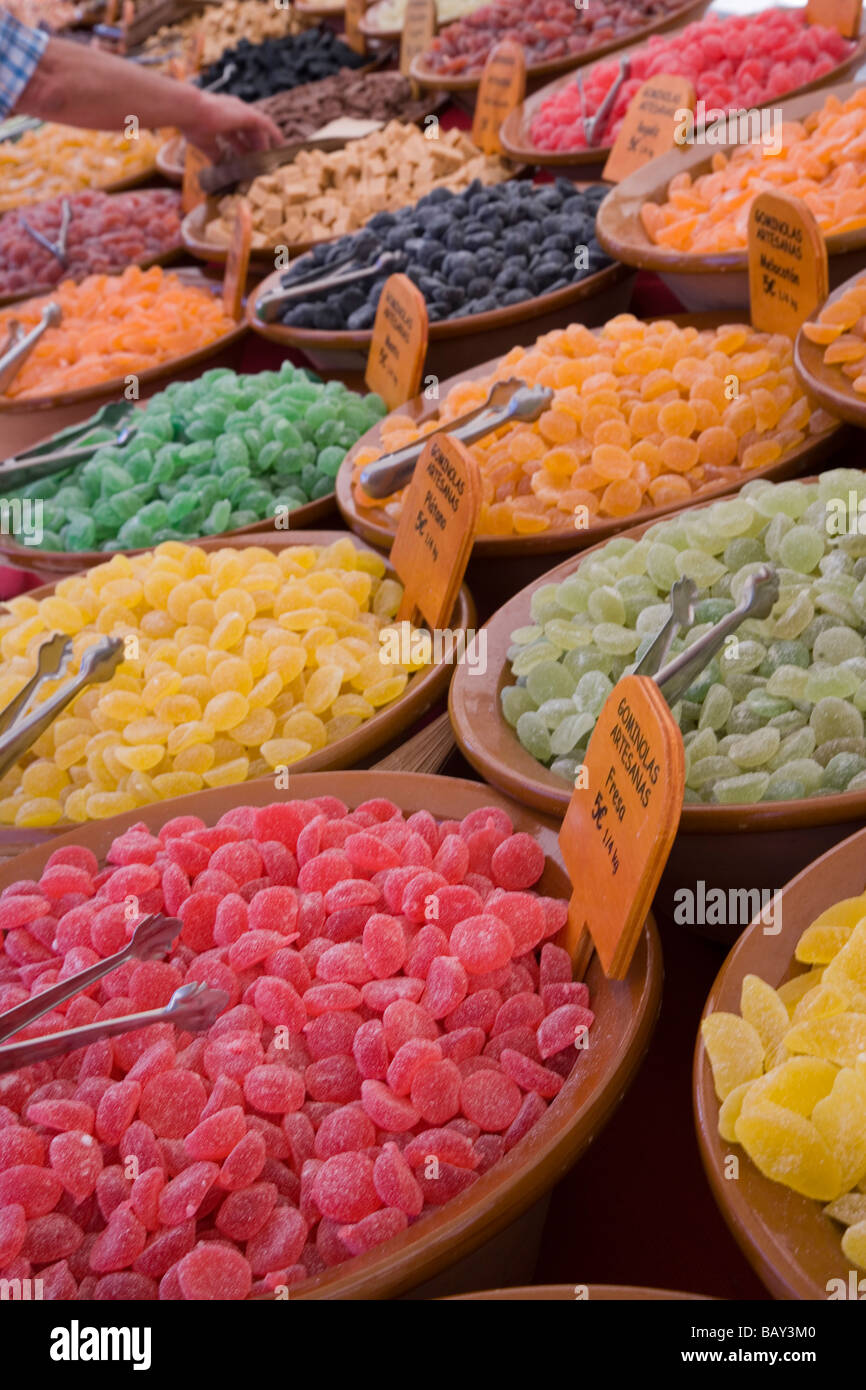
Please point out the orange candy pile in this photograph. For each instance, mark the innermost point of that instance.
(822, 160)
(56, 159)
(840, 329)
(113, 325)
(644, 415)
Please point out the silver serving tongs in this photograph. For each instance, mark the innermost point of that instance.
(42, 462)
(324, 279)
(54, 248)
(224, 77)
(759, 596)
(52, 660)
(14, 357)
(682, 598)
(507, 401)
(98, 663)
(152, 939)
(192, 1007)
(596, 123)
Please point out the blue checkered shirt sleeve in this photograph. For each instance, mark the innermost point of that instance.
(20, 51)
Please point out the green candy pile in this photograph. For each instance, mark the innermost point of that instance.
(207, 456)
(779, 713)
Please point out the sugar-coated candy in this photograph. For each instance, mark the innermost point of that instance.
(792, 1079)
(56, 159)
(369, 1066)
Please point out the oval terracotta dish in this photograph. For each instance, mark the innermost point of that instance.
(791, 1245)
(476, 1223)
(170, 159)
(376, 526)
(424, 688)
(828, 385)
(718, 280)
(492, 746)
(428, 78)
(113, 388)
(600, 295)
(580, 1293)
(514, 132)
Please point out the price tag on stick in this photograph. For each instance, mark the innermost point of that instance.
(238, 261)
(502, 87)
(650, 125)
(437, 527)
(355, 10)
(620, 824)
(399, 344)
(788, 274)
(843, 15)
(192, 193)
(419, 29)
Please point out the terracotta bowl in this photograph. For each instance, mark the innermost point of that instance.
(170, 159)
(793, 1248)
(424, 688)
(517, 141)
(467, 1241)
(535, 71)
(711, 281)
(829, 385)
(376, 526)
(459, 343)
(595, 1293)
(724, 846)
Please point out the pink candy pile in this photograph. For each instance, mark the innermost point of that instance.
(732, 62)
(397, 1021)
(107, 232)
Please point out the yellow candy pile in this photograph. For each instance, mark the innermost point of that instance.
(790, 1071)
(236, 661)
(57, 159)
(644, 415)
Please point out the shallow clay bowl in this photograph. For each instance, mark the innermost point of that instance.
(467, 83)
(424, 688)
(458, 343)
(829, 385)
(707, 281)
(170, 159)
(591, 1293)
(113, 389)
(376, 526)
(473, 1237)
(517, 141)
(757, 845)
(793, 1248)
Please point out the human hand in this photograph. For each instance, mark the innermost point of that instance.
(221, 126)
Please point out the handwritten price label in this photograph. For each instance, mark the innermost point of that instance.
(788, 273)
(503, 83)
(399, 343)
(649, 125)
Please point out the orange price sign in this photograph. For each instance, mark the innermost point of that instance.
(843, 15)
(355, 10)
(650, 124)
(437, 527)
(503, 83)
(419, 28)
(621, 822)
(788, 271)
(238, 261)
(192, 193)
(399, 344)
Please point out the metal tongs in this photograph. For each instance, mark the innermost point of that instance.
(98, 664)
(682, 599)
(52, 660)
(220, 82)
(596, 123)
(320, 279)
(54, 248)
(46, 459)
(506, 401)
(18, 348)
(759, 597)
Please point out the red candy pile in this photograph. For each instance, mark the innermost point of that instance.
(547, 29)
(732, 62)
(397, 1021)
(107, 232)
